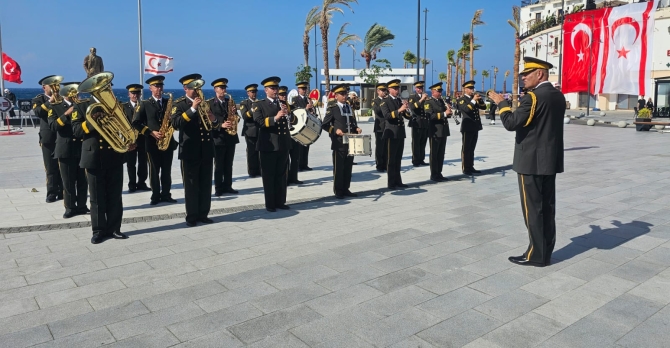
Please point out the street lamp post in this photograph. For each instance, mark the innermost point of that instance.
(493, 68)
(588, 88)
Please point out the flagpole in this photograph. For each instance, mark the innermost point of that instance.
(2, 79)
(141, 54)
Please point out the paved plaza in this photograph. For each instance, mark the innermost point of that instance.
(421, 267)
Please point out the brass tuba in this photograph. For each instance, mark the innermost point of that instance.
(166, 127)
(203, 109)
(54, 83)
(113, 126)
(233, 117)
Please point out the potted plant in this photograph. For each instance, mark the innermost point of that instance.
(643, 115)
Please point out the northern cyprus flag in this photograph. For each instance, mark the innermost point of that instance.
(156, 64)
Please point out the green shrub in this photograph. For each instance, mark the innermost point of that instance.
(644, 113)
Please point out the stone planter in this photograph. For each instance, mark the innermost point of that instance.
(566, 120)
(591, 122)
(659, 127)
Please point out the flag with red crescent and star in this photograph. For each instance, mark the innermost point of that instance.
(582, 32)
(11, 71)
(156, 63)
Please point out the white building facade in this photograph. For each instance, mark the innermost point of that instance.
(546, 45)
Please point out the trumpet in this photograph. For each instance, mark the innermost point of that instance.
(54, 83)
(203, 108)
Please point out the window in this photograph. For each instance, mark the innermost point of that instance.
(538, 16)
(556, 44)
(537, 49)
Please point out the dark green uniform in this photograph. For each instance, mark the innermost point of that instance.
(224, 148)
(250, 133)
(538, 156)
(340, 116)
(68, 153)
(136, 160)
(294, 152)
(47, 142)
(394, 134)
(302, 102)
(419, 125)
(378, 128)
(471, 124)
(438, 131)
(104, 172)
(196, 152)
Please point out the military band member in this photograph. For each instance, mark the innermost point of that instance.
(303, 101)
(136, 161)
(148, 120)
(68, 153)
(469, 105)
(196, 152)
(104, 173)
(224, 143)
(419, 124)
(394, 111)
(380, 144)
(250, 131)
(437, 112)
(339, 121)
(538, 156)
(274, 143)
(296, 147)
(41, 106)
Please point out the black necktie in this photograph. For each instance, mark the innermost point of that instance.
(346, 109)
(160, 105)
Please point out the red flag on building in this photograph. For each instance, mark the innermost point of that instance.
(11, 71)
(582, 32)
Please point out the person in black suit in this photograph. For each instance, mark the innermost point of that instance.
(303, 101)
(68, 153)
(148, 120)
(469, 105)
(437, 112)
(538, 156)
(136, 161)
(380, 144)
(339, 121)
(492, 112)
(419, 124)
(196, 152)
(41, 107)
(104, 173)
(296, 148)
(224, 143)
(250, 131)
(274, 143)
(394, 111)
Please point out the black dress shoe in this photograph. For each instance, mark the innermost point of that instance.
(354, 163)
(522, 261)
(467, 172)
(306, 168)
(296, 182)
(68, 214)
(206, 221)
(416, 164)
(436, 179)
(82, 211)
(169, 200)
(119, 235)
(423, 163)
(475, 170)
(284, 207)
(143, 187)
(97, 238)
(190, 223)
(59, 196)
(272, 210)
(392, 188)
(381, 170)
(253, 175)
(154, 202)
(339, 196)
(218, 193)
(51, 198)
(402, 185)
(233, 191)
(350, 194)
(132, 189)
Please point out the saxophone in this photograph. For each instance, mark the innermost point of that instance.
(166, 127)
(233, 117)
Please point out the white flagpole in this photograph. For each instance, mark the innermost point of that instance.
(2, 77)
(141, 54)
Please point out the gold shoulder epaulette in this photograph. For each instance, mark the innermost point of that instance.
(210, 99)
(180, 99)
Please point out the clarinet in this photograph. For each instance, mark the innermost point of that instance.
(444, 99)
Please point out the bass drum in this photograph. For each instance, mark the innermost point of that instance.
(306, 127)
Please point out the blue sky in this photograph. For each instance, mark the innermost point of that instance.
(244, 41)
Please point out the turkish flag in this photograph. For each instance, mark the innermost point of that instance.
(625, 67)
(581, 49)
(11, 71)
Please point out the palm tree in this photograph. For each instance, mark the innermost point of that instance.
(516, 25)
(329, 7)
(476, 20)
(442, 76)
(505, 82)
(378, 36)
(450, 63)
(310, 22)
(495, 75)
(485, 74)
(343, 38)
(409, 57)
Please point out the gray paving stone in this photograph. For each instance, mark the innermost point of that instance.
(154, 320)
(617, 256)
(253, 276)
(172, 298)
(222, 259)
(91, 320)
(137, 257)
(301, 276)
(572, 306)
(343, 299)
(158, 338)
(37, 289)
(526, 331)
(402, 235)
(445, 264)
(214, 321)
(280, 340)
(400, 248)
(329, 328)
(399, 279)
(397, 301)
(511, 305)
(345, 340)
(321, 257)
(81, 292)
(26, 338)
(359, 247)
(553, 285)
(95, 337)
(273, 323)
(44, 316)
(65, 272)
(128, 295)
(459, 330)
(397, 327)
(609, 286)
(355, 262)
(454, 303)
(233, 297)
(637, 270)
(289, 297)
(399, 262)
(155, 275)
(651, 333)
(588, 269)
(488, 266)
(110, 273)
(438, 237)
(501, 283)
(412, 342)
(655, 289)
(449, 281)
(14, 307)
(12, 283)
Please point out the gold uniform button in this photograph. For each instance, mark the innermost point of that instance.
(109, 147)
(100, 140)
(100, 147)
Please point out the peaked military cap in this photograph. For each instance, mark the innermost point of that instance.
(341, 88)
(302, 84)
(44, 78)
(155, 80)
(283, 90)
(437, 86)
(134, 87)
(530, 64)
(393, 83)
(271, 81)
(189, 78)
(469, 84)
(252, 87)
(420, 84)
(222, 82)
(381, 86)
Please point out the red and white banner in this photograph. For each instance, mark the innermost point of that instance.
(157, 64)
(11, 71)
(615, 43)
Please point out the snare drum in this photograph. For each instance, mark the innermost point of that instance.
(359, 144)
(306, 127)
